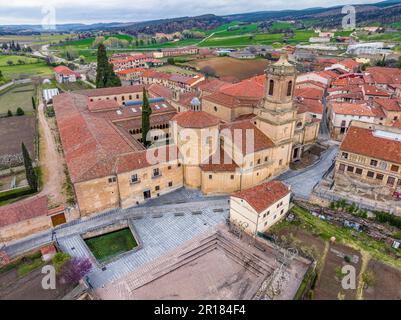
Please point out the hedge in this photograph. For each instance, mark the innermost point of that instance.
(15, 193)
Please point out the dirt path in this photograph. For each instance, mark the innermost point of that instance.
(51, 162)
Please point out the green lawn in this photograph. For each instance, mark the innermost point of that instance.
(111, 244)
(282, 26)
(18, 96)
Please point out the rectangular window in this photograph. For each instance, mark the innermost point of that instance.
(265, 159)
(358, 171)
(157, 188)
(169, 167)
(112, 179)
(390, 181)
(395, 168)
(373, 163)
(370, 174)
(379, 176)
(170, 184)
(344, 155)
(341, 167)
(350, 169)
(232, 177)
(258, 161)
(156, 172)
(134, 178)
(210, 177)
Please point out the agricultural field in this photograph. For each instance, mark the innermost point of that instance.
(388, 36)
(378, 274)
(6, 60)
(22, 71)
(14, 131)
(19, 96)
(35, 40)
(175, 70)
(230, 67)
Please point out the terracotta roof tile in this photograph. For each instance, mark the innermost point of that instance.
(23, 210)
(195, 119)
(220, 161)
(264, 195)
(363, 141)
(260, 140)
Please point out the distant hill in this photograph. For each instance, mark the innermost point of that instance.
(381, 12)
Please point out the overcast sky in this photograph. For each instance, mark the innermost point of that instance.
(91, 11)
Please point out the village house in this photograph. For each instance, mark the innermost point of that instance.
(370, 154)
(64, 74)
(256, 209)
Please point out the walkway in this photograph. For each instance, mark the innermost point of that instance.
(51, 160)
(303, 181)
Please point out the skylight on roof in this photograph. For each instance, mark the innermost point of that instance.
(164, 106)
(119, 112)
(133, 110)
(387, 135)
(157, 107)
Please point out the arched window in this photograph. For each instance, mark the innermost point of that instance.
(271, 87)
(289, 88)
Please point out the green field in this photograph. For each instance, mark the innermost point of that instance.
(391, 36)
(45, 38)
(18, 96)
(109, 245)
(26, 70)
(282, 26)
(4, 59)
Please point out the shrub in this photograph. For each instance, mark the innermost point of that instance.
(59, 260)
(9, 113)
(20, 112)
(15, 193)
(75, 269)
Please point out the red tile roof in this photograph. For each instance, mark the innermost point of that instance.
(195, 119)
(382, 75)
(374, 91)
(245, 127)
(138, 160)
(363, 141)
(23, 210)
(308, 105)
(356, 109)
(309, 93)
(349, 63)
(102, 105)
(157, 90)
(264, 195)
(389, 104)
(66, 71)
(110, 91)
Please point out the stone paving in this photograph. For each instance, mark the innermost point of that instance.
(157, 236)
(303, 181)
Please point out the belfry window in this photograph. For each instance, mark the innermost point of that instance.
(271, 87)
(289, 88)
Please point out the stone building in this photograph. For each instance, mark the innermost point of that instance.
(370, 158)
(216, 152)
(256, 209)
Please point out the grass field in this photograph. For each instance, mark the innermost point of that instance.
(4, 59)
(26, 70)
(111, 244)
(18, 96)
(45, 38)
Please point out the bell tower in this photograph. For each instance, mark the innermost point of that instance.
(276, 114)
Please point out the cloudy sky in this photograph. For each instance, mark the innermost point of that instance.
(91, 11)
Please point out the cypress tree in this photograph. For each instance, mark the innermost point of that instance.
(29, 170)
(105, 76)
(33, 103)
(146, 112)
